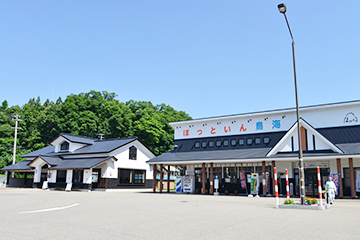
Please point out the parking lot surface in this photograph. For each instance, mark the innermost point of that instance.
(39, 214)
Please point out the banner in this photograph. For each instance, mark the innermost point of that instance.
(335, 178)
(268, 182)
(178, 184)
(242, 180)
(254, 185)
(357, 186)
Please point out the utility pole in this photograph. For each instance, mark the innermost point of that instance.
(15, 118)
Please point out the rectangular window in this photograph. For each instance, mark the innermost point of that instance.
(139, 176)
(203, 144)
(125, 176)
(241, 141)
(78, 176)
(131, 176)
(132, 153)
(61, 176)
(226, 143)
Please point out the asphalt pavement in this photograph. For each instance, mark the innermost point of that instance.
(43, 214)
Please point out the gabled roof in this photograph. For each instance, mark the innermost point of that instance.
(81, 163)
(20, 166)
(52, 160)
(43, 151)
(293, 131)
(75, 138)
(102, 146)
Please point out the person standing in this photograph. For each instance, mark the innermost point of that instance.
(331, 189)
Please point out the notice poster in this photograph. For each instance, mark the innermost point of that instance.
(335, 178)
(254, 185)
(242, 180)
(357, 186)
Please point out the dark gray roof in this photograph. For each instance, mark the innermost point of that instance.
(43, 151)
(350, 148)
(212, 155)
(52, 161)
(76, 139)
(20, 166)
(81, 163)
(102, 146)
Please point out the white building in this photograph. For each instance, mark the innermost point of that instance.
(87, 163)
(231, 146)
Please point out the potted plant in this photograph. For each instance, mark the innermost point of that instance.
(288, 202)
(310, 201)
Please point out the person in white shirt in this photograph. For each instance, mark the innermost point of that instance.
(331, 189)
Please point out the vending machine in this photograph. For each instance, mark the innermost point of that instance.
(188, 184)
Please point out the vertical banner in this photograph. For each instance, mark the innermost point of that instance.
(268, 181)
(254, 185)
(178, 184)
(242, 180)
(357, 186)
(335, 177)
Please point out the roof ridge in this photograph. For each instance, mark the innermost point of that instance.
(90, 138)
(114, 139)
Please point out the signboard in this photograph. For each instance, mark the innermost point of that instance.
(242, 180)
(272, 121)
(178, 184)
(357, 186)
(335, 178)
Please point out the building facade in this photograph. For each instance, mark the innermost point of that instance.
(86, 163)
(231, 148)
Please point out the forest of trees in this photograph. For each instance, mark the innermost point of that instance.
(85, 114)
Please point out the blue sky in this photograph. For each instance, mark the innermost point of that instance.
(207, 58)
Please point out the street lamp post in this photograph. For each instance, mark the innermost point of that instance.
(282, 9)
(16, 119)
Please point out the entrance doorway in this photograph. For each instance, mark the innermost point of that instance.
(95, 178)
(311, 181)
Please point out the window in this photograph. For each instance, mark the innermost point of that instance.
(197, 144)
(203, 144)
(218, 143)
(233, 142)
(78, 176)
(61, 176)
(132, 153)
(249, 141)
(64, 146)
(241, 142)
(139, 176)
(257, 140)
(266, 140)
(131, 176)
(226, 143)
(230, 175)
(125, 176)
(211, 143)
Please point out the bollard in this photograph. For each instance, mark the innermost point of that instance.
(276, 189)
(319, 185)
(287, 185)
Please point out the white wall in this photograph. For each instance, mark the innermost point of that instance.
(52, 174)
(281, 166)
(122, 154)
(322, 116)
(69, 175)
(87, 176)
